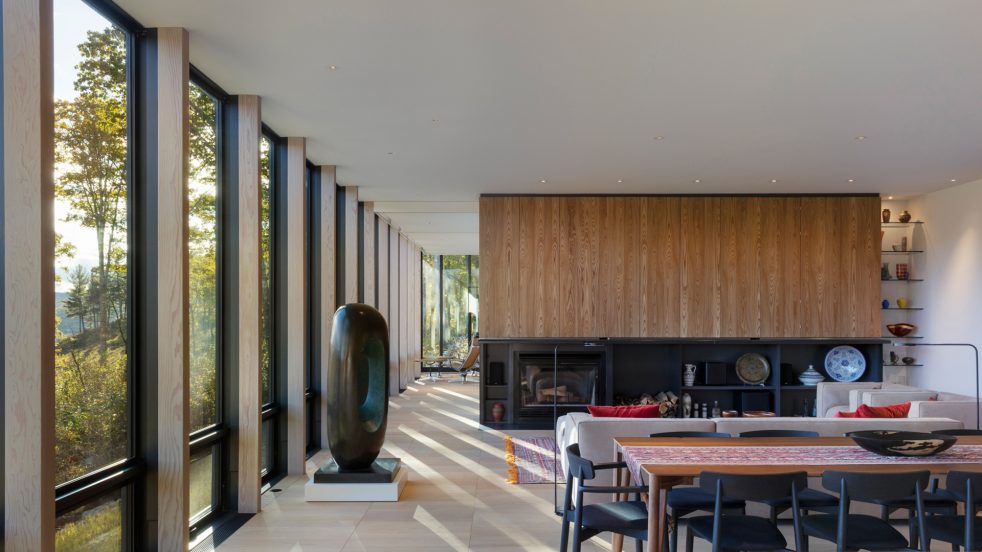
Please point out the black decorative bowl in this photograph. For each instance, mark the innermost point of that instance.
(902, 443)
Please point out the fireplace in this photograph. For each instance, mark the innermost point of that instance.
(571, 383)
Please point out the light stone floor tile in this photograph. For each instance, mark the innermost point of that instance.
(457, 498)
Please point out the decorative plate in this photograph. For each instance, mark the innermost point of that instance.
(753, 368)
(845, 363)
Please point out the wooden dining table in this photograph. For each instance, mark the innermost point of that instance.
(669, 461)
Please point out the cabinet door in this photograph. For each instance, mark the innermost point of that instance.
(660, 254)
(700, 286)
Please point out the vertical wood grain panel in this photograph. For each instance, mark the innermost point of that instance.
(819, 268)
(242, 267)
(538, 260)
(581, 250)
(328, 284)
(405, 355)
(172, 289)
(28, 386)
(368, 272)
(351, 229)
(856, 315)
(296, 364)
(395, 382)
(779, 274)
(618, 273)
(740, 259)
(659, 253)
(500, 278)
(700, 256)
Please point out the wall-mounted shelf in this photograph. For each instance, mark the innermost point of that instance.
(905, 280)
(902, 365)
(904, 337)
(900, 224)
(727, 387)
(904, 308)
(908, 252)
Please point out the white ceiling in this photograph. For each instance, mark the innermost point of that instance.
(442, 100)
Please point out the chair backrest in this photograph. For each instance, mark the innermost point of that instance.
(958, 432)
(876, 486)
(779, 433)
(690, 434)
(471, 357)
(772, 486)
(962, 483)
(579, 467)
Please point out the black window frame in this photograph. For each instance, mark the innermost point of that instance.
(125, 475)
(312, 298)
(215, 437)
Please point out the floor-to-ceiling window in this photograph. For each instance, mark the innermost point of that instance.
(450, 306)
(269, 464)
(93, 374)
(208, 431)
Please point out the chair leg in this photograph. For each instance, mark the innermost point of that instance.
(638, 547)
(912, 529)
(564, 537)
(773, 515)
(885, 513)
(689, 540)
(576, 537)
(673, 529)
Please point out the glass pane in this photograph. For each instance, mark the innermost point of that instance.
(473, 293)
(94, 527)
(431, 305)
(266, 313)
(91, 254)
(455, 305)
(266, 454)
(202, 258)
(202, 482)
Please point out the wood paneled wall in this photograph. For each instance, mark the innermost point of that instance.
(27, 466)
(680, 266)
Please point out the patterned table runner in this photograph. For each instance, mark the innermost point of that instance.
(791, 455)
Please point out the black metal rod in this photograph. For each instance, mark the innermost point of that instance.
(978, 399)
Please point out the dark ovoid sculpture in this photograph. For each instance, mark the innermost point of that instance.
(357, 387)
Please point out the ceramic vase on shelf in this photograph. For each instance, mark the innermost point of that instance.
(810, 377)
(886, 215)
(905, 216)
(686, 405)
(498, 412)
(689, 375)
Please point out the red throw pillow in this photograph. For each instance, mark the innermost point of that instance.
(640, 411)
(886, 411)
(845, 414)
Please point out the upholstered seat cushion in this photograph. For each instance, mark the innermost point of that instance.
(865, 532)
(626, 517)
(740, 532)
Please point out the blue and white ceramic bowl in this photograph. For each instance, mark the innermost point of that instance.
(845, 363)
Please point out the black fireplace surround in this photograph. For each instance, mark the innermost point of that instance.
(560, 382)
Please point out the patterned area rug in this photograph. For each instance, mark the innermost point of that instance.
(531, 460)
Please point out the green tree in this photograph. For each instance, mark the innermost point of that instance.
(77, 303)
(92, 151)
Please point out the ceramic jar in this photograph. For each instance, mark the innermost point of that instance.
(810, 377)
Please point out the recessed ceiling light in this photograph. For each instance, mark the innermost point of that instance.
(619, 181)
(332, 67)
(860, 137)
(889, 197)
(852, 180)
(543, 181)
(659, 137)
(954, 180)
(697, 181)
(390, 153)
(773, 181)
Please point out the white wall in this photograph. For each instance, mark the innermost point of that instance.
(952, 292)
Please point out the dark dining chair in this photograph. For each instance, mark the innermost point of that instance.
(860, 531)
(779, 433)
(627, 517)
(954, 529)
(808, 499)
(740, 531)
(684, 500)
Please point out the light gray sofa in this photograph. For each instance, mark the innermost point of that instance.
(834, 397)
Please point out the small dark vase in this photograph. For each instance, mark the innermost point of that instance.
(498, 412)
(886, 215)
(905, 216)
(357, 386)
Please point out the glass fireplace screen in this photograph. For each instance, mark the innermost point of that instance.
(573, 382)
